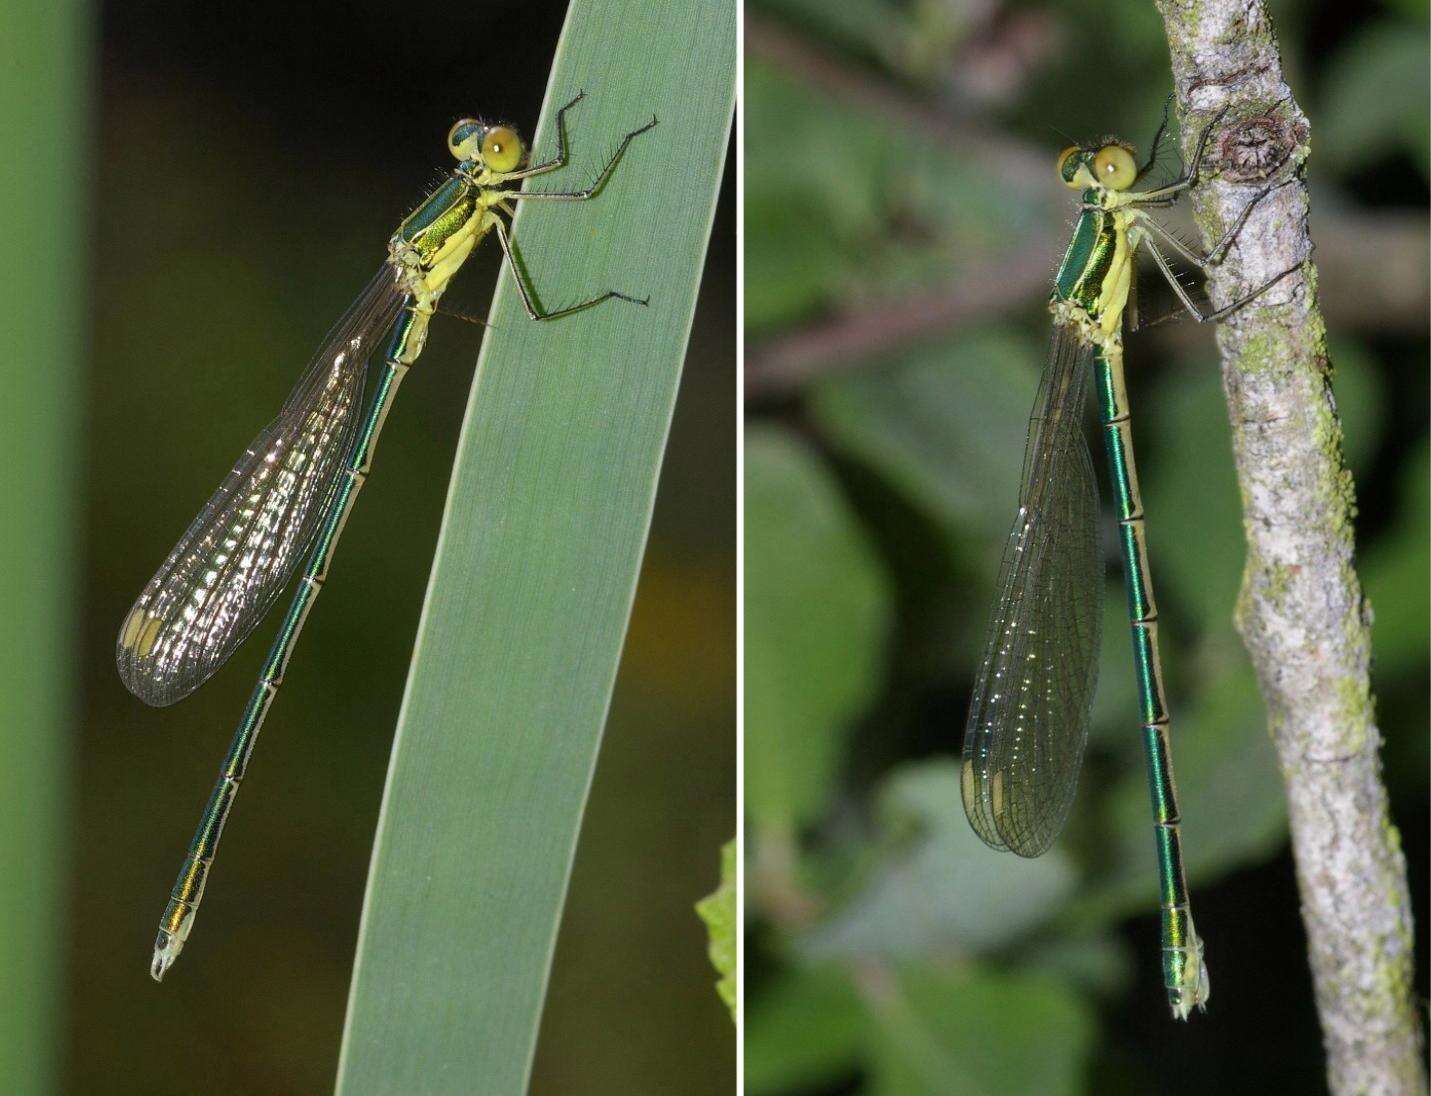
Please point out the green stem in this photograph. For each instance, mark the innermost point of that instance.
(49, 153)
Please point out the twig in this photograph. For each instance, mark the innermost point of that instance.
(848, 341)
(1003, 158)
(1301, 612)
(1374, 262)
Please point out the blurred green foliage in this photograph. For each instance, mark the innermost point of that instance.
(815, 608)
(899, 158)
(44, 65)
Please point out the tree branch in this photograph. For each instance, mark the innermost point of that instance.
(1301, 611)
(851, 339)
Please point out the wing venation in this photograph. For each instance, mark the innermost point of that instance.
(1029, 714)
(240, 551)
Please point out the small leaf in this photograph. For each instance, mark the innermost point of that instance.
(1361, 402)
(858, 26)
(1190, 495)
(1115, 702)
(718, 911)
(803, 238)
(832, 218)
(1099, 965)
(1361, 122)
(915, 1030)
(794, 263)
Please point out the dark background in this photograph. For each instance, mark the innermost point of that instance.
(902, 225)
(249, 164)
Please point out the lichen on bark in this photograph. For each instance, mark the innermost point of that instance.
(1301, 612)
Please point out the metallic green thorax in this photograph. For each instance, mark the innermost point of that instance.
(445, 211)
(1088, 259)
(1086, 299)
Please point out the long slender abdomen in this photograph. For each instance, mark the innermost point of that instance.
(1184, 974)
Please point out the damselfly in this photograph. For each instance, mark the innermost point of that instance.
(1029, 714)
(292, 490)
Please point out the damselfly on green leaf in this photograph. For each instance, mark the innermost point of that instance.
(291, 492)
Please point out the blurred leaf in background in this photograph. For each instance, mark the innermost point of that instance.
(903, 222)
(815, 609)
(45, 58)
(932, 891)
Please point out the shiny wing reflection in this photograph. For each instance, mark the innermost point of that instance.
(1029, 715)
(239, 553)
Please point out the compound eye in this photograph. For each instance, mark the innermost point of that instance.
(1114, 168)
(501, 148)
(1068, 164)
(464, 138)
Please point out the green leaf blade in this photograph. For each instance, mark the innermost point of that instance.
(44, 213)
(536, 565)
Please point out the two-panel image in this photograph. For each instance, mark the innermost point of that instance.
(798, 549)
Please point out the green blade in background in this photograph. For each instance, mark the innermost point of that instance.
(536, 564)
(44, 55)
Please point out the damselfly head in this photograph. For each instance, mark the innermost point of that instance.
(1109, 165)
(496, 146)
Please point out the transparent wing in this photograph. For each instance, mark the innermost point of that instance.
(1028, 718)
(234, 560)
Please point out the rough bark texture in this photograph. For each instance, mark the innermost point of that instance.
(1301, 612)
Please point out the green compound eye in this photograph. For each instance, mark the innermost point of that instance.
(502, 148)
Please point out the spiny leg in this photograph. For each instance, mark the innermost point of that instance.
(1193, 310)
(557, 161)
(588, 192)
(1191, 177)
(1157, 140)
(1138, 323)
(1202, 262)
(529, 301)
(1212, 256)
(457, 314)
